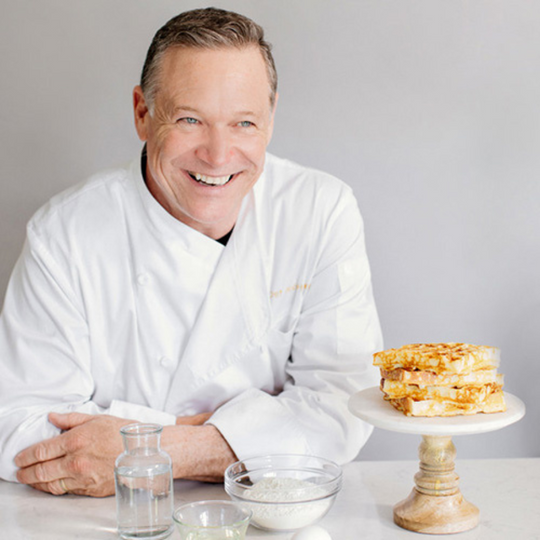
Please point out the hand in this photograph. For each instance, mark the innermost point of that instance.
(82, 457)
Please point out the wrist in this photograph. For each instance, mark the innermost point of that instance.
(197, 452)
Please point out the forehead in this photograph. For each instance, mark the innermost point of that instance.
(208, 75)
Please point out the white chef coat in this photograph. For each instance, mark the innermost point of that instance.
(116, 307)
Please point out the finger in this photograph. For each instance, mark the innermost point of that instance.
(44, 472)
(40, 452)
(57, 487)
(68, 420)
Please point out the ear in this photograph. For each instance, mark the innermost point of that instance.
(141, 113)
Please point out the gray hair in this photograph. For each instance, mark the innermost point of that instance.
(209, 28)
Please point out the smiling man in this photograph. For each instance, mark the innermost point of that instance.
(207, 286)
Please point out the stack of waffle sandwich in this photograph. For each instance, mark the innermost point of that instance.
(441, 379)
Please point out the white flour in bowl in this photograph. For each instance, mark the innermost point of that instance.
(283, 516)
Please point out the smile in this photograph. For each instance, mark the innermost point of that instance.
(210, 180)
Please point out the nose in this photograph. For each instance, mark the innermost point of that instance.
(216, 148)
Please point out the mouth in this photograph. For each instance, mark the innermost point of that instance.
(211, 180)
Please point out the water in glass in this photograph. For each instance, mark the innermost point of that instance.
(144, 485)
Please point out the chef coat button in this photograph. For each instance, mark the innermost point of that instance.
(165, 362)
(142, 279)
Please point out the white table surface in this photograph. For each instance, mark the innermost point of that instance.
(507, 491)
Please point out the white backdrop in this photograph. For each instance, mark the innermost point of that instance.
(429, 109)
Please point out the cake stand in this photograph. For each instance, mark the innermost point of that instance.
(435, 505)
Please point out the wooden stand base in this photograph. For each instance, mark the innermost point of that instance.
(435, 505)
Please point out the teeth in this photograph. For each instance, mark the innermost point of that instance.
(211, 180)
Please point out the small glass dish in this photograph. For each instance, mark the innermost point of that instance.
(284, 492)
(212, 520)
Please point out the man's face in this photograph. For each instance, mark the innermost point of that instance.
(207, 136)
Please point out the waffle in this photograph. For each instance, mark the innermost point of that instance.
(428, 378)
(442, 358)
(472, 394)
(494, 403)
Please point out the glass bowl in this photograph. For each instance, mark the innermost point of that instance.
(284, 492)
(212, 520)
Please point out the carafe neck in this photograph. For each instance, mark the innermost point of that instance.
(141, 438)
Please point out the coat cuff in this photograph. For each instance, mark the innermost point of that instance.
(255, 424)
(140, 413)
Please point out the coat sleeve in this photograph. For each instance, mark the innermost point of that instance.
(333, 342)
(45, 356)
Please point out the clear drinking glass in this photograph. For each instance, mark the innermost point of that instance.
(144, 485)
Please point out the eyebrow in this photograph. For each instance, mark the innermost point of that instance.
(177, 108)
(246, 113)
(186, 108)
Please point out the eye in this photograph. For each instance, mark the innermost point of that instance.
(188, 120)
(245, 123)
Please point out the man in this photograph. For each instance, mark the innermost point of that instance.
(209, 287)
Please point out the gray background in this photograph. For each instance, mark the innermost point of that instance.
(428, 108)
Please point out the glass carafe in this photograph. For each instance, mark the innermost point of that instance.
(144, 484)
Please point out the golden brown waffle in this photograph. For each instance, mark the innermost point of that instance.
(464, 394)
(428, 378)
(439, 357)
(494, 403)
